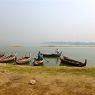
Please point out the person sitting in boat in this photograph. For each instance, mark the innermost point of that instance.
(40, 56)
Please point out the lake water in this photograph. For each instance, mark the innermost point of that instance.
(78, 53)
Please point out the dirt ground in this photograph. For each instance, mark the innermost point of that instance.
(64, 84)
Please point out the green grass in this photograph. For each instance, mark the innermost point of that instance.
(48, 70)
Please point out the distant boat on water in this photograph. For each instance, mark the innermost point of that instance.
(51, 55)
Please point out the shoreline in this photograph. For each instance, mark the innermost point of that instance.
(49, 69)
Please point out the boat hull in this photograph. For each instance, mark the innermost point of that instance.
(52, 55)
(38, 63)
(23, 61)
(5, 59)
(71, 62)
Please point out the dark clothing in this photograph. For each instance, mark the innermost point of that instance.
(40, 56)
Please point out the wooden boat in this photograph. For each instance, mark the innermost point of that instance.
(68, 61)
(52, 55)
(1, 55)
(5, 59)
(23, 60)
(37, 62)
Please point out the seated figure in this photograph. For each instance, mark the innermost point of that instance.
(40, 56)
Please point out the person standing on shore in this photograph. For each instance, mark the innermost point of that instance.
(57, 51)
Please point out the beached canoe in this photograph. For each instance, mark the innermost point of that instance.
(5, 59)
(51, 55)
(37, 62)
(72, 62)
(23, 60)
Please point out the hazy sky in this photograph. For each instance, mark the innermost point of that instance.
(32, 21)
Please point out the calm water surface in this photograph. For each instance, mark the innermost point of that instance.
(78, 53)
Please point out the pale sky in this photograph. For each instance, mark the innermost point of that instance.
(33, 21)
